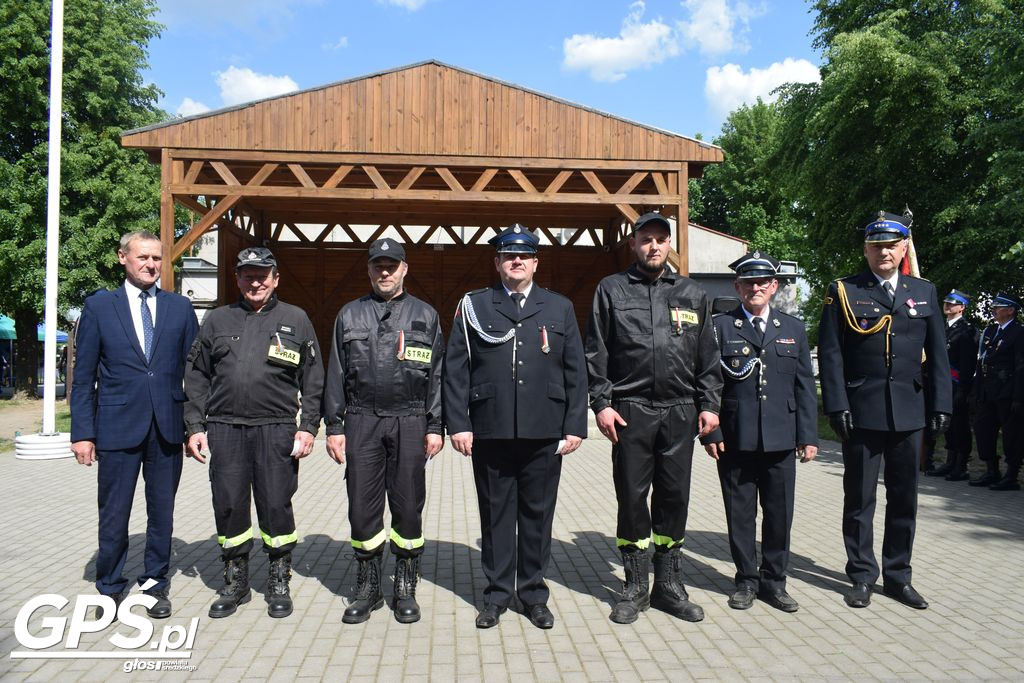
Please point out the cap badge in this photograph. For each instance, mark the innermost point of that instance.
(517, 229)
(757, 254)
(251, 256)
(385, 246)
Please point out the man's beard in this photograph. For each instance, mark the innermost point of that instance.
(643, 265)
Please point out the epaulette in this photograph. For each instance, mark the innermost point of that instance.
(478, 291)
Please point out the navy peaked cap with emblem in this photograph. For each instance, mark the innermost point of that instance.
(652, 218)
(1004, 299)
(515, 239)
(755, 265)
(261, 257)
(386, 247)
(887, 227)
(957, 297)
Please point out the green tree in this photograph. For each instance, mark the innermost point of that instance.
(105, 189)
(919, 104)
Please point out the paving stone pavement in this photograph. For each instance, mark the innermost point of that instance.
(968, 559)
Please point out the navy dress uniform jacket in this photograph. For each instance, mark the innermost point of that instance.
(853, 369)
(962, 350)
(1000, 375)
(779, 413)
(117, 393)
(546, 396)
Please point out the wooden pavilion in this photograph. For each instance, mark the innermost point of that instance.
(435, 156)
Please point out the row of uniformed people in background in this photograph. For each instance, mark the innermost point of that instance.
(513, 383)
(988, 371)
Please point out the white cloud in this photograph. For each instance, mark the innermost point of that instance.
(727, 87)
(637, 45)
(190, 107)
(411, 5)
(718, 27)
(244, 85)
(340, 43)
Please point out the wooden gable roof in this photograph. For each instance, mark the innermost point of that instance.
(428, 108)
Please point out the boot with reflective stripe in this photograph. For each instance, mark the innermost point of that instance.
(668, 594)
(368, 594)
(635, 598)
(404, 603)
(279, 601)
(235, 591)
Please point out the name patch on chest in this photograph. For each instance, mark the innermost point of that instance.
(284, 355)
(417, 354)
(682, 315)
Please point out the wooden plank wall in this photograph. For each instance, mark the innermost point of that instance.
(430, 109)
(321, 281)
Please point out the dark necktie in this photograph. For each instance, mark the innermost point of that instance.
(887, 286)
(518, 298)
(759, 326)
(147, 325)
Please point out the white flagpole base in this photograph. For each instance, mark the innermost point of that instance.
(43, 446)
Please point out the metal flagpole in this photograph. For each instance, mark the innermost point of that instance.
(48, 443)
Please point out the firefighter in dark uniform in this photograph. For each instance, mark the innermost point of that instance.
(655, 384)
(246, 371)
(382, 408)
(515, 399)
(962, 349)
(884, 380)
(999, 387)
(769, 416)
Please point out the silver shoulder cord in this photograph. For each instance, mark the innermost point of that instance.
(469, 317)
(744, 372)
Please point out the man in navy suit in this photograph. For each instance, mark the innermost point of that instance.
(126, 412)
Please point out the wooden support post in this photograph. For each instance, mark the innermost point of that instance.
(683, 219)
(166, 221)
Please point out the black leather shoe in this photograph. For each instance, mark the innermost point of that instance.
(1005, 484)
(489, 616)
(940, 471)
(958, 476)
(743, 598)
(859, 595)
(986, 479)
(905, 593)
(780, 600)
(118, 599)
(162, 608)
(540, 616)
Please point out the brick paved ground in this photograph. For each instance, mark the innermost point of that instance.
(969, 557)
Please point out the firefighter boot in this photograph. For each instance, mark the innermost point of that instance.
(368, 595)
(635, 598)
(668, 594)
(279, 601)
(235, 591)
(404, 603)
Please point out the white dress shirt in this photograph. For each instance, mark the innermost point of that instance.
(132, 293)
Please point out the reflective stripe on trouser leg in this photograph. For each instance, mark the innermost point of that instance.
(275, 481)
(230, 472)
(403, 438)
(673, 462)
(365, 469)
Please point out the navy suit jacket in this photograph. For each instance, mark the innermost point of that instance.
(116, 394)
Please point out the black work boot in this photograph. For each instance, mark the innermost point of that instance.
(235, 591)
(668, 594)
(279, 601)
(404, 603)
(368, 594)
(1007, 483)
(635, 596)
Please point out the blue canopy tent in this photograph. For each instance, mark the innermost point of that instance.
(62, 337)
(7, 328)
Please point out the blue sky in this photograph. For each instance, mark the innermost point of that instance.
(681, 65)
